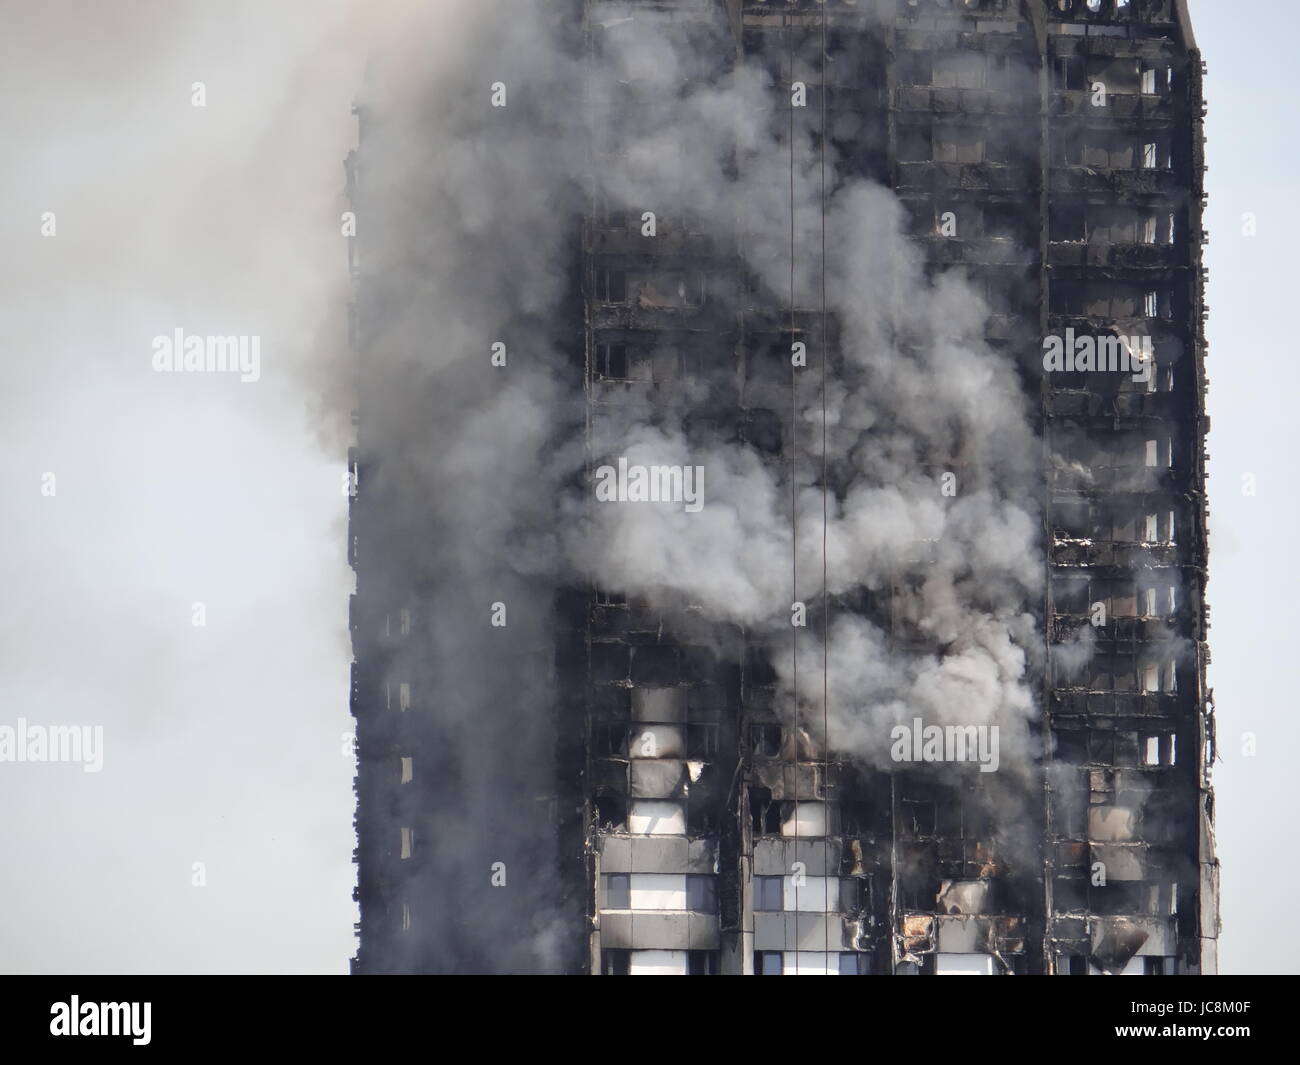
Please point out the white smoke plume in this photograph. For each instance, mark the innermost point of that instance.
(916, 395)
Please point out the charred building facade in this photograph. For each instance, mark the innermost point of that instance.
(914, 683)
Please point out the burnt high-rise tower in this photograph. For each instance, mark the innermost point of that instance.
(780, 516)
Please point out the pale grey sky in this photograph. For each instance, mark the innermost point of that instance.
(1254, 379)
(222, 743)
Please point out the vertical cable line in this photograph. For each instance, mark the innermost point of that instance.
(794, 517)
(826, 735)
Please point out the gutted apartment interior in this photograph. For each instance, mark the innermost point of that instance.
(1052, 151)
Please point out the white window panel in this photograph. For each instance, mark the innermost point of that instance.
(963, 965)
(657, 963)
(810, 963)
(656, 818)
(658, 891)
(1150, 678)
(812, 894)
(807, 819)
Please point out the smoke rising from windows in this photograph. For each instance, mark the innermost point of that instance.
(915, 394)
(476, 166)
